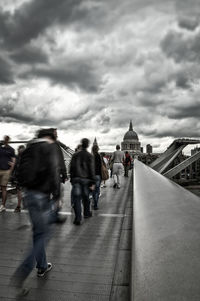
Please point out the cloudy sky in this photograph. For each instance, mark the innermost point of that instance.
(87, 67)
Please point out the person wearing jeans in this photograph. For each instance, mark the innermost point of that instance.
(39, 208)
(43, 181)
(82, 178)
(97, 165)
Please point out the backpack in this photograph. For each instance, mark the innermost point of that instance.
(127, 159)
(29, 171)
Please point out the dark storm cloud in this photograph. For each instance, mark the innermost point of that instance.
(182, 49)
(182, 81)
(188, 14)
(188, 23)
(29, 55)
(74, 74)
(31, 19)
(6, 74)
(189, 111)
(177, 132)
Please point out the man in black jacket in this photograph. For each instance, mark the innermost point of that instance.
(39, 175)
(82, 176)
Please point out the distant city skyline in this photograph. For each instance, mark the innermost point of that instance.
(89, 67)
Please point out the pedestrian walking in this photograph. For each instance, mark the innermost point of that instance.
(14, 178)
(106, 164)
(82, 177)
(57, 204)
(38, 174)
(7, 162)
(127, 163)
(117, 158)
(97, 166)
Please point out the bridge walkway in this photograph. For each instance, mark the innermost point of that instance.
(90, 262)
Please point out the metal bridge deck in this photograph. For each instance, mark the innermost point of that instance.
(85, 258)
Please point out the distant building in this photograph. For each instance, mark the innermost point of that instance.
(131, 142)
(95, 142)
(149, 149)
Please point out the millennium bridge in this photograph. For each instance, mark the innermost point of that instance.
(143, 244)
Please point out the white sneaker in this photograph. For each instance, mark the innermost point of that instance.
(2, 208)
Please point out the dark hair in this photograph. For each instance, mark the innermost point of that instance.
(103, 154)
(117, 146)
(78, 147)
(85, 143)
(21, 147)
(6, 138)
(46, 133)
(126, 152)
(95, 149)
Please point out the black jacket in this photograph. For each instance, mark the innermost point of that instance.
(63, 169)
(82, 166)
(39, 168)
(97, 164)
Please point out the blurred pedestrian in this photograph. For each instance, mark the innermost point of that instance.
(106, 164)
(39, 175)
(117, 158)
(82, 176)
(57, 204)
(14, 177)
(97, 166)
(127, 163)
(7, 162)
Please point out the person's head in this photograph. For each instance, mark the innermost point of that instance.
(46, 133)
(126, 152)
(103, 154)
(6, 139)
(95, 149)
(54, 131)
(78, 148)
(85, 143)
(117, 147)
(20, 149)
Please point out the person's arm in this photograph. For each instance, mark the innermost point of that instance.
(92, 172)
(12, 162)
(54, 171)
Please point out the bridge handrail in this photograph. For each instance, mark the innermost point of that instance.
(166, 239)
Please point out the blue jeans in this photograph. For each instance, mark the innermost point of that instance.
(96, 192)
(80, 192)
(39, 208)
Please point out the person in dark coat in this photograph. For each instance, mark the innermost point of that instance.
(97, 165)
(82, 175)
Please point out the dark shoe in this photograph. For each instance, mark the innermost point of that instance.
(61, 219)
(96, 208)
(76, 223)
(42, 272)
(21, 292)
(88, 215)
(115, 185)
(17, 209)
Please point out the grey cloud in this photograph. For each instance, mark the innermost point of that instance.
(29, 54)
(75, 74)
(32, 18)
(182, 49)
(188, 13)
(188, 23)
(179, 132)
(180, 112)
(6, 74)
(182, 81)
